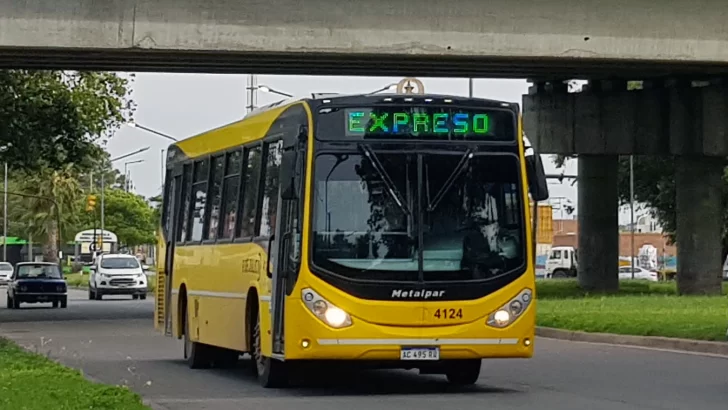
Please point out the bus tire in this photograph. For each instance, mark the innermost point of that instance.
(463, 373)
(225, 358)
(271, 372)
(196, 354)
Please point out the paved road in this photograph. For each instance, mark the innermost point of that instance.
(114, 341)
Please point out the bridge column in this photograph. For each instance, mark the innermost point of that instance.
(699, 206)
(598, 248)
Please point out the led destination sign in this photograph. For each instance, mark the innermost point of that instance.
(428, 123)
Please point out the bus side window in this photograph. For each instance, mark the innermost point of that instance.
(230, 191)
(212, 213)
(270, 193)
(183, 216)
(248, 201)
(199, 199)
(166, 205)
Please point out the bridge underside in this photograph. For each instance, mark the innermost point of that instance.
(683, 119)
(185, 61)
(630, 39)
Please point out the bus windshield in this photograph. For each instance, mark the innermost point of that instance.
(393, 216)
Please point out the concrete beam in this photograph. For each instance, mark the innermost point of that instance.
(439, 37)
(677, 119)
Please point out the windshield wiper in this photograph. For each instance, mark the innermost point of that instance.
(372, 156)
(450, 180)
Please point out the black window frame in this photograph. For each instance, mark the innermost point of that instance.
(243, 188)
(261, 190)
(190, 216)
(188, 185)
(185, 194)
(228, 174)
(208, 199)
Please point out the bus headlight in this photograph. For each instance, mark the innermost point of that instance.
(508, 313)
(324, 310)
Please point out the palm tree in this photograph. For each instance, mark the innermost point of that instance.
(41, 214)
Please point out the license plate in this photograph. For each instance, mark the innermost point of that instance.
(420, 353)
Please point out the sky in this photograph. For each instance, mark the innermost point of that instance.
(182, 105)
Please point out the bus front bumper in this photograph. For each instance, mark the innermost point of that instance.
(309, 339)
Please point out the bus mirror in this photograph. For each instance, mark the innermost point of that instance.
(537, 184)
(288, 179)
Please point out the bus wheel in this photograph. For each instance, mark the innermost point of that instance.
(225, 358)
(195, 353)
(271, 372)
(464, 372)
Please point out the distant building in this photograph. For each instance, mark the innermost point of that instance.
(645, 223)
(566, 233)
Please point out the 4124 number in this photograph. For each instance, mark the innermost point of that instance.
(449, 313)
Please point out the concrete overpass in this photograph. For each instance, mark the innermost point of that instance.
(497, 38)
(671, 43)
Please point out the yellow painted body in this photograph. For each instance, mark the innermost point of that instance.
(202, 270)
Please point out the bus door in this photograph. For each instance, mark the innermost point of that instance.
(174, 194)
(285, 249)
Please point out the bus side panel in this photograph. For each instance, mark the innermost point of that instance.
(217, 280)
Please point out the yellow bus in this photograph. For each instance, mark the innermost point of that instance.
(381, 230)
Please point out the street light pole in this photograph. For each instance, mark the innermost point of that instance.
(127, 184)
(267, 89)
(161, 168)
(631, 208)
(111, 161)
(252, 92)
(103, 188)
(5, 216)
(161, 134)
(470, 87)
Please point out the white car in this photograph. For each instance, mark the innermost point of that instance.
(117, 274)
(6, 272)
(625, 272)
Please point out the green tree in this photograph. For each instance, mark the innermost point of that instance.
(51, 118)
(129, 216)
(156, 202)
(40, 215)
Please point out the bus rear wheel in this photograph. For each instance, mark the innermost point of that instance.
(196, 354)
(463, 373)
(271, 372)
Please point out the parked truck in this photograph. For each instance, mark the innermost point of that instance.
(563, 262)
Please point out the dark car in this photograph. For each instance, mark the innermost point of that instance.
(37, 282)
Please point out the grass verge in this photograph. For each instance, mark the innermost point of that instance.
(640, 308)
(81, 281)
(30, 381)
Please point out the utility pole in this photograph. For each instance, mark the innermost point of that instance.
(252, 89)
(631, 208)
(93, 214)
(470, 87)
(161, 169)
(102, 210)
(5, 216)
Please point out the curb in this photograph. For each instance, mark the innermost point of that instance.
(654, 342)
